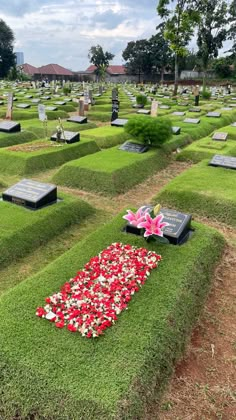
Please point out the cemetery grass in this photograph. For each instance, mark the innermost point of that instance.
(21, 229)
(33, 157)
(110, 172)
(117, 374)
(203, 190)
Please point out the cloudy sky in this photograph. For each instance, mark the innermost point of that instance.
(62, 31)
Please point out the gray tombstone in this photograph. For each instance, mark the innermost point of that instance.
(81, 108)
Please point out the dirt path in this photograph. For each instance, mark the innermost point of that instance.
(204, 384)
(141, 194)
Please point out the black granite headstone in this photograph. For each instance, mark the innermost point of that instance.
(179, 227)
(176, 130)
(68, 137)
(78, 119)
(195, 110)
(220, 136)
(35, 101)
(60, 103)
(213, 114)
(31, 194)
(227, 162)
(144, 111)
(119, 122)
(46, 98)
(23, 106)
(10, 126)
(192, 121)
(178, 114)
(50, 108)
(128, 146)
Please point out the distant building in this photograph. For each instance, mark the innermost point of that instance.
(19, 58)
(50, 72)
(115, 74)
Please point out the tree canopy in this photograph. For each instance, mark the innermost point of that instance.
(7, 57)
(100, 59)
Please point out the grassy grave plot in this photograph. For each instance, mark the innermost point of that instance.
(110, 172)
(107, 136)
(22, 229)
(114, 376)
(203, 190)
(41, 155)
(207, 148)
(38, 128)
(9, 139)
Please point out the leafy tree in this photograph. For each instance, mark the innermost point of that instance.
(138, 57)
(180, 19)
(212, 30)
(222, 67)
(149, 130)
(161, 54)
(232, 30)
(100, 59)
(7, 57)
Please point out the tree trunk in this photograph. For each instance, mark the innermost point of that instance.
(162, 75)
(204, 80)
(176, 75)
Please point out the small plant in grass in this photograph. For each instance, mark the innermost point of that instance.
(153, 131)
(66, 89)
(141, 100)
(206, 94)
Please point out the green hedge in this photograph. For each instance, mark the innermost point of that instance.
(22, 163)
(16, 138)
(203, 190)
(22, 229)
(111, 171)
(53, 374)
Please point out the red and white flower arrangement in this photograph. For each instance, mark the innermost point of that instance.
(90, 302)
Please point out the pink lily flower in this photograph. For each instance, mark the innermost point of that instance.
(153, 226)
(136, 218)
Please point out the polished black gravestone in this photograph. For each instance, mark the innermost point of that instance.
(23, 106)
(192, 120)
(50, 108)
(128, 146)
(195, 110)
(178, 114)
(144, 111)
(227, 162)
(119, 122)
(31, 194)
(220, 136)
(176, 130)
(213, 114)
(179, 228)
(10, 126)
(1, 103)
(77, 119)
(35, 101)
(46, 98)
(68, 137)
(164, 107)
(28, 96)
(59, 103)
(177, 232)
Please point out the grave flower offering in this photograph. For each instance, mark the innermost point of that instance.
(150, 220)
(90, 302)
(138, 217)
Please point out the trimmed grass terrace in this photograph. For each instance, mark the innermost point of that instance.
(203, 190)
(115, 376)
(22, 229)
(111, 171)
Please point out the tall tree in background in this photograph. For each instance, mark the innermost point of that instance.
(138, 57)
(232, 30)
(180, 19)
(100, 59)
(212, 30)
(161, 54)
(7, 57)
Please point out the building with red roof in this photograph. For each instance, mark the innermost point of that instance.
(50, 72)
(115, 74)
